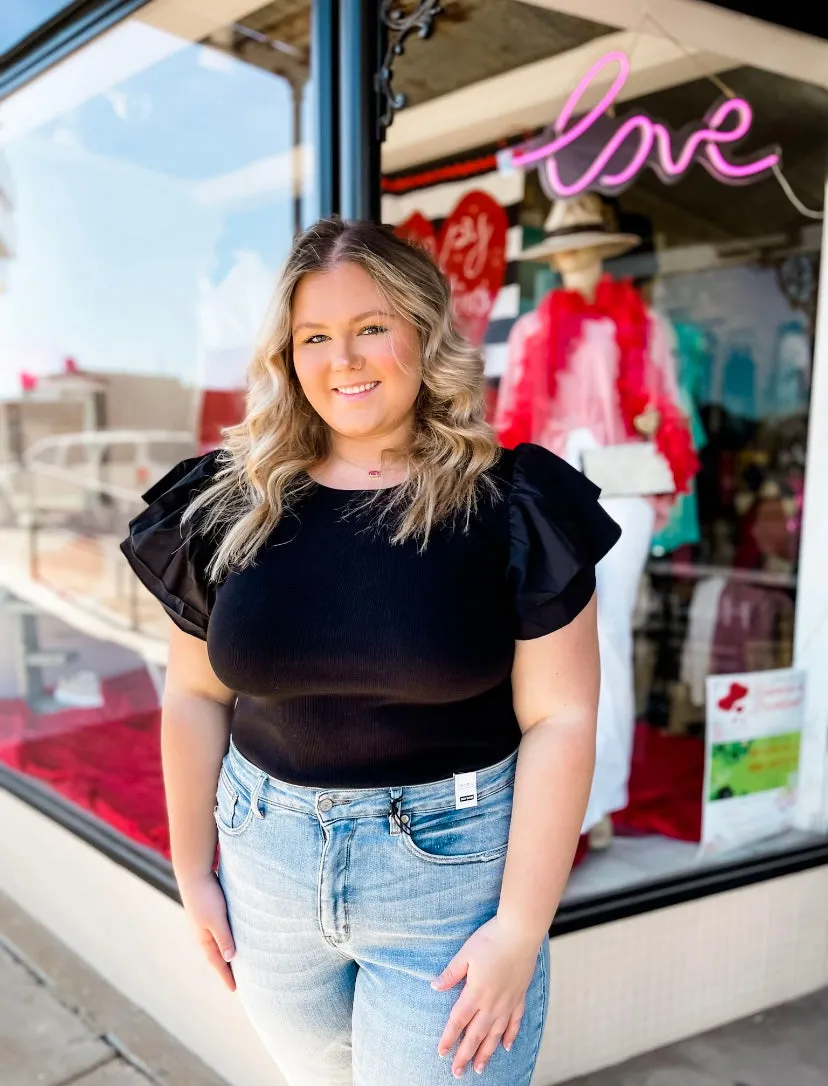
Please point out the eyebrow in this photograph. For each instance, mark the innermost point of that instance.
(354, 320)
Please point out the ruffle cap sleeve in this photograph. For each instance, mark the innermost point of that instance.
(558, 534)
(170, 562)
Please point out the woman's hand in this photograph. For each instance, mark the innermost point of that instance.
(206, 910)
(498, 962)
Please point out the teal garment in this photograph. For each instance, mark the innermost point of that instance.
(691, 359)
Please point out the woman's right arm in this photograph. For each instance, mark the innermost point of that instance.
(195, 729)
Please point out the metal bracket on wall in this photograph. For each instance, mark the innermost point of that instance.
(399, 23)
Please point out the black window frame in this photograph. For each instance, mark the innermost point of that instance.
(75, 25)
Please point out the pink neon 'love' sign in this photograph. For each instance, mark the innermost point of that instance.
(604, 154)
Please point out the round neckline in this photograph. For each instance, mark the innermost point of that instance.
(353, 490)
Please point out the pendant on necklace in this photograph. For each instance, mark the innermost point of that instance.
(375, 474)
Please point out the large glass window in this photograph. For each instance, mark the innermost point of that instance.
(150, 186)
(701, 717)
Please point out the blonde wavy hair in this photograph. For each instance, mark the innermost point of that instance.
(264, 461)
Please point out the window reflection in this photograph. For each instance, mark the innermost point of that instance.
(150, 187)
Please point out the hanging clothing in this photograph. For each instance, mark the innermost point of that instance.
(689, 348)
(697, 652)
(739, 382)
(754, 629)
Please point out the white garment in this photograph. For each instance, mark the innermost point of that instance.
(696, 653)
(618, 576)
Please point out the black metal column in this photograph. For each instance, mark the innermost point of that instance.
(325, 90)
(360, 55)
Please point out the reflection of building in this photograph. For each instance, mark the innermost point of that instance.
(186, 176)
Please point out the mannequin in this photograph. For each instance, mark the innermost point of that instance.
(592, 367)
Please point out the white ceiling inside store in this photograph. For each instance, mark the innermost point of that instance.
(475, 40)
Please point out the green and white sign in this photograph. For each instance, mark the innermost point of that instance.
(753, 740)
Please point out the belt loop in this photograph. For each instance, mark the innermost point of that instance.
(255, 798)
(395, 795)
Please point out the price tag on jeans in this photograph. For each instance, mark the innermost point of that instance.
(465, 790)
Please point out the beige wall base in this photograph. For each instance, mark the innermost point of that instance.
(622, 989)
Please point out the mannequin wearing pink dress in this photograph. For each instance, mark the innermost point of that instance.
(585, 412)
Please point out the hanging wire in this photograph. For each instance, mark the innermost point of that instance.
(728, 92)
(789, 192)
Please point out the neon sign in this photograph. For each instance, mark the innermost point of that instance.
(605, 154)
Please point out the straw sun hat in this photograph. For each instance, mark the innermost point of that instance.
(581, 222)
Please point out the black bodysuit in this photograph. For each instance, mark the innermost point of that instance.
(360, 663)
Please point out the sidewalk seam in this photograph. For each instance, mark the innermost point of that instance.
(79, 1076)
(116, 1047)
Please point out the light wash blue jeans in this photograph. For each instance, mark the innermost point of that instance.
(345, 903)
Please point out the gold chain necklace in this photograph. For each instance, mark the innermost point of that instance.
(375, 473)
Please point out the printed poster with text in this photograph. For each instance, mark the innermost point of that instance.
(753, 738)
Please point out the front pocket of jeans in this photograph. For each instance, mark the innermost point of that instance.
(469, 835)
(233, 811)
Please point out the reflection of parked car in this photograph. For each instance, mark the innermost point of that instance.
(104, 466)
(69, 501)
(75, 403)
(86, 475)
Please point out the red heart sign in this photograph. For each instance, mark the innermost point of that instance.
(472, 255)
(471, 252)
(735, 694)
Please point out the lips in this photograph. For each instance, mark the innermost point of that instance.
(351, 392)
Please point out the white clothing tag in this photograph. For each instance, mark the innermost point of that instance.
(465, 790)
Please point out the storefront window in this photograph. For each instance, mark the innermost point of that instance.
(150, 188)
(693, 351)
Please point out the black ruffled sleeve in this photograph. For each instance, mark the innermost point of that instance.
(558, 534)
(170, 561)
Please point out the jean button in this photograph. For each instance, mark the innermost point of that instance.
(325, 804)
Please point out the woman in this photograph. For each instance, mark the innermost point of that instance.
(382, 681)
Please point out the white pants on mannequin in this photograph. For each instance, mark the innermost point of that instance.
(618, 576)
(617, 579)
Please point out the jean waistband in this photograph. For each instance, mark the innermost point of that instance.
(434, 795)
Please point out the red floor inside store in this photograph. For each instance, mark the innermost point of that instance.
(107, 760)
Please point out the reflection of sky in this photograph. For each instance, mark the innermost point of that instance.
(114, 243)
(195, 114)
(18, 18)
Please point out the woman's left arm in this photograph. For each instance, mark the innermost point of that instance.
(555, 681)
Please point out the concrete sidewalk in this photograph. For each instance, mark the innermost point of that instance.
(62, 1025)
(786, 1046)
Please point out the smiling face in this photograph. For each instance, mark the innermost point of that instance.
(357, 362)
